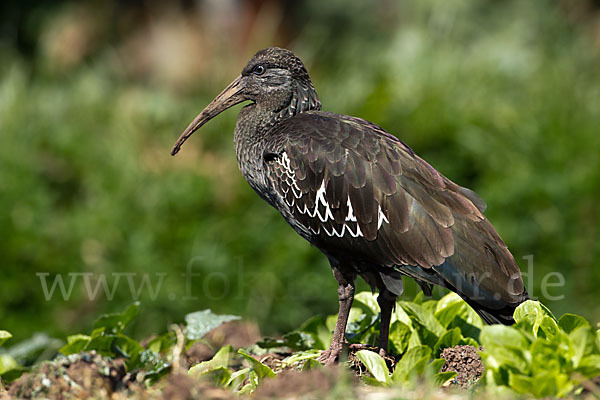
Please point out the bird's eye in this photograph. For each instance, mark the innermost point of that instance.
(259, 69)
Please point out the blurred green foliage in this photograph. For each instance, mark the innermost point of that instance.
(502, 97)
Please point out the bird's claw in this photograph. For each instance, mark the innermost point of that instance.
(329, 356)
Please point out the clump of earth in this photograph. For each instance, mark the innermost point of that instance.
(465, 361)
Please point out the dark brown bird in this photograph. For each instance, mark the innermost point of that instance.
(362, 197)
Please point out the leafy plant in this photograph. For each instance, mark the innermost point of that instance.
(154, 360)
(436, 324)
(17, 359)
(7, 363)
(415, 362)
(244, 380)
(541, 355)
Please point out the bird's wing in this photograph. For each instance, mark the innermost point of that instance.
(361, 190)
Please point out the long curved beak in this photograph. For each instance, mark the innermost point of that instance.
(229, 97)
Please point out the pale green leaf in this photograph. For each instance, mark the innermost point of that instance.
(451, 338)
(75, 344)
(369, 300)
(570, 322)
(375, 364)
(4, 336)
(116, 322)
(221, 359)
(7, 363)
(412, 362)
(582, 339)
(237, 378)
(441, 378)
(262, 370)
(199, 323)
(400, 334)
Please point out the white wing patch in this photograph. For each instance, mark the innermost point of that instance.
(290, 178)
(322, 210)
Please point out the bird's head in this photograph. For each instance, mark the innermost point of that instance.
(274, 79)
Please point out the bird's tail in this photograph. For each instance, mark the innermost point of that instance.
(491, 308)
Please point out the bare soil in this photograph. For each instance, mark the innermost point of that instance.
(465, 361)
(77, 376)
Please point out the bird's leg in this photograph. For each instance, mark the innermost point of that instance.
(345, 296)
(387, 302)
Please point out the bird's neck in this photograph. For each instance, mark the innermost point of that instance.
(251, 132)
(255, 121)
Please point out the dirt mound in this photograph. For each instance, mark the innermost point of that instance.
(72, 377)
(465, 361)
(182, 387)
(311, 384)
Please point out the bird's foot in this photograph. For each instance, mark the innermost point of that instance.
(330, 356)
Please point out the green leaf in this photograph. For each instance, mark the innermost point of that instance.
(505, 347)
(400, 334)
(429, 305)
(221, 359)
(252, 384)
(10, 369)
(413, 362)
(28, 351)
(442, 377)
(400, 315)
(375, 364)
(300, 357)
(126, 347)
(449, 339)
(447, 308)
(199, 323)
(310, 364)
(582, 339)
(589, 366)
(262, 370)
(7, 363)
(531, 313)
(419, 298)
(570, 322)
(219, 376)
(369, 300)
(494, 336)
(75, 344)
(453, 312)
(521, 383)
(469, 342)
(162, 342)
(318, 332)
(542, 385)
(103, 345)
(423, 316)
(153, 365)
(115, 323)
(549, 327)
(434, 366)
(4, 336)
(236, 380)
(112, 346)
(424, 322)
